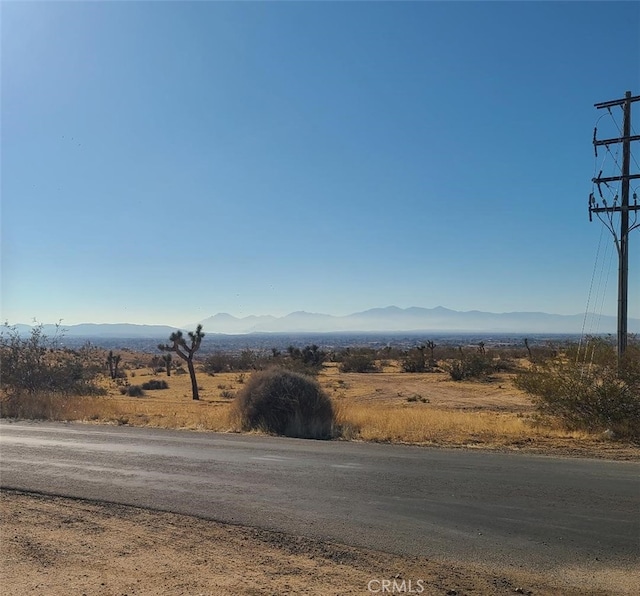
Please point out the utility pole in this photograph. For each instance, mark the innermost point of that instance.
(623, 207)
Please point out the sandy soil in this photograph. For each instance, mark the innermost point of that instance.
(55, 546)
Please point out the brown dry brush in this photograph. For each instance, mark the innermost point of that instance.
(286, 403)
(35, 368)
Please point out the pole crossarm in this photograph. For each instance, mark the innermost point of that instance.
(614, 209)
(618, 140)
(615, 178)
(616, 102)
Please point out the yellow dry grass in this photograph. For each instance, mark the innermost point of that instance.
(426, 425)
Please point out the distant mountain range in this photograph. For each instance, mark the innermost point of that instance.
(389, 319)
(392, 319)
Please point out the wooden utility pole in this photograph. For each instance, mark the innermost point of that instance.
(623, 207)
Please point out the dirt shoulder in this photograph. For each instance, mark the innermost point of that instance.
(57, 546)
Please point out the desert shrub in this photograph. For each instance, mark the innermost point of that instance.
(415, 361)
(360, 361)
(307, 361)
(390, 353)
(592, 395)
(505, 364)
(38, 363)
(155, 384)
(476, 365)
(132, 391)
(285, 403)
(226, 362)
(156, 363)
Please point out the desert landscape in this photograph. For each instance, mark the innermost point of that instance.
(54, 545)
(382, 404)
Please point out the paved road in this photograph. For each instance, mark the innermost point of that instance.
(494, 508)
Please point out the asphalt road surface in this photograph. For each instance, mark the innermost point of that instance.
(493, 508)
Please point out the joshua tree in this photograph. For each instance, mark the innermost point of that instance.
(432, 346)
(113, 360)
(167, 362)
(179, 346)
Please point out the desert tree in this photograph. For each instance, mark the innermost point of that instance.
(431, 345)
(113, 361)
(186, 351)
(166, 358)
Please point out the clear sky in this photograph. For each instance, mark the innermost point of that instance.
(162, 162)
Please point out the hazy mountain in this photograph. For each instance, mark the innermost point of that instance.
(393, 318)
(389, 319)
(225, 323)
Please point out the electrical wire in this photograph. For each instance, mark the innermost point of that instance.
(586, 311)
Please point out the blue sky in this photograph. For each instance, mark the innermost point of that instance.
(162, 162)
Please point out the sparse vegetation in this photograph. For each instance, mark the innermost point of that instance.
(285, 403)
(221, 362)
(475, 365)
(586, 389)
(308, 360)
(38, 363)
(387, 406)
(414, 361)
(360, 360)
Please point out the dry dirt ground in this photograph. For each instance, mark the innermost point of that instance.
(55, 546)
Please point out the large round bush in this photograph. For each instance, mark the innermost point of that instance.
(285, 403)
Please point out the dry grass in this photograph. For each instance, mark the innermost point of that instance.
(427, 425)
(427, 409)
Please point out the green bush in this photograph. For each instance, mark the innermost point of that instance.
(589, 395)
(285, 403)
